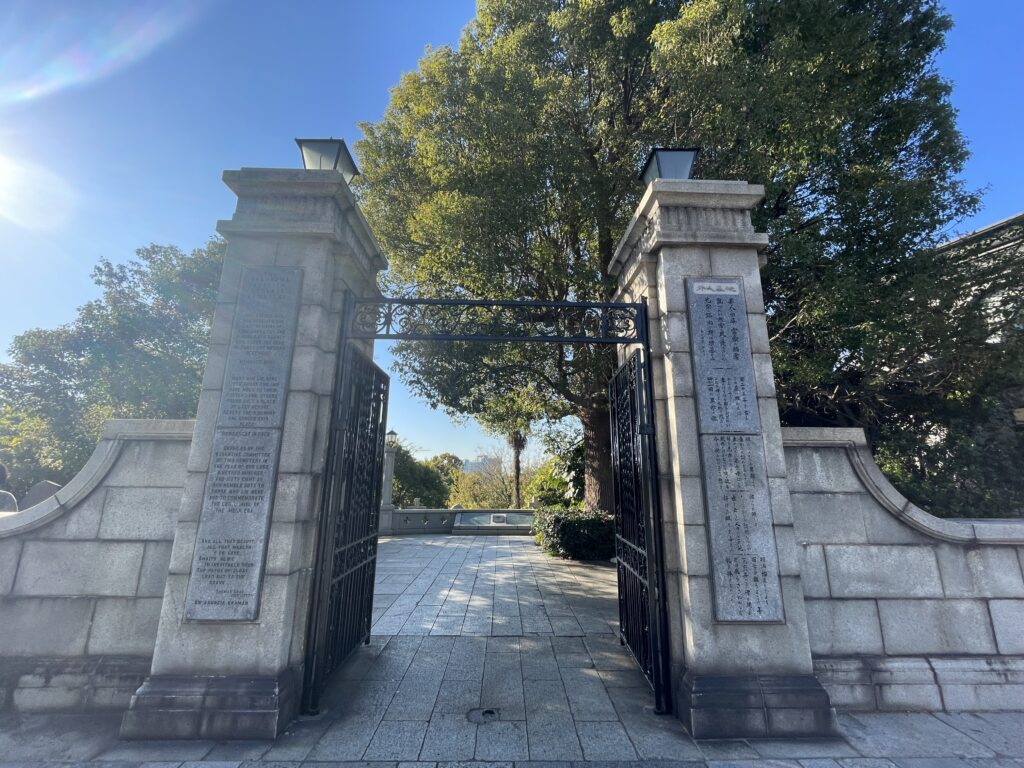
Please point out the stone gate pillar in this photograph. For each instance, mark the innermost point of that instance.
(231, 639)
(741, 659)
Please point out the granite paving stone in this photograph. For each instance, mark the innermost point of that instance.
(587, 695)
(502, 688)
(296, 742)
(72, 737)
(655, 737)
(347, 738)
(538, 659)
(727, 749)
(449, 737)
(238, 750)
(552, 736)
(604, 741)
(457, 697)
(396, 740)
(1003, 732)
(800, 748)
(907, 735)
(502, 739)
(160, 751)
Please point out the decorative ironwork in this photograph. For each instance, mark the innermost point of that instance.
(342, 596)
(471, 320)
(642, 612)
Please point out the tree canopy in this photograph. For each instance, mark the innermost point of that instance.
(506, 167)
(429, 480)
(137, 351)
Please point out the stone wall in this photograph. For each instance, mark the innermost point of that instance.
(905, 611)
(418, 520)
(82, 573)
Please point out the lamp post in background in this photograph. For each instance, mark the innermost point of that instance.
(387, 508)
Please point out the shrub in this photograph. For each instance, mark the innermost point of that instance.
(577, 534)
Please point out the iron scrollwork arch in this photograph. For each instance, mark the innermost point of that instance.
(472, 320)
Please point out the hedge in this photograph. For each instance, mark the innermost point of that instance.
(576, 534)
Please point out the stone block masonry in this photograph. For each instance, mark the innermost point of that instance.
(82, 573)
(740, 653)
(905, 611)
(231, 640)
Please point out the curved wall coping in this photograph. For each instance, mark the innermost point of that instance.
(854, 442)
(116, 434)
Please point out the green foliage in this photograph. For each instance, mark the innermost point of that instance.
(136, 352)
(549, 487)
(564, 442)
(511, 416)
(449, 465)
(577, 534)
(490, 486)
(506, 168)
(421, 480)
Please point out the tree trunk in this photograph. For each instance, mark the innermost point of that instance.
(517, 473)
(597, 460)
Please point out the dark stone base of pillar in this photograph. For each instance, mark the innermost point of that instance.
(755, 706)
(193, 707)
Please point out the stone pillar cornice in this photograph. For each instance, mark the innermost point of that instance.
(285, 202)
(691, 212)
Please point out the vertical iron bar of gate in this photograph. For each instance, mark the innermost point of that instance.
(316, 627)
(652, 506)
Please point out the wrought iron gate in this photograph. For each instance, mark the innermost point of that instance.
(642, 619)
(343, 576)
(345, 566)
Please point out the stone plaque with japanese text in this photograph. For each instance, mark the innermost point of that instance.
(722, 365)
(231, 543)
(741, 539)
(744, 563)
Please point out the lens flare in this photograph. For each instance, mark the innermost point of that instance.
(44, 50)
(33, 197)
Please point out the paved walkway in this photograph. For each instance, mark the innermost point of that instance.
(486, 650)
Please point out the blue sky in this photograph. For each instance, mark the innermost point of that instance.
(117, 119)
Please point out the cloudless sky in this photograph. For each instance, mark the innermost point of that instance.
(117, 119)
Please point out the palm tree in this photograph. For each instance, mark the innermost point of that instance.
(517, 442)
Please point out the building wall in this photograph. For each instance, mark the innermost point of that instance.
(905, 610)
(82, 574)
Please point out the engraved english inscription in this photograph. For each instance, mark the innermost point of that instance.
(260, 352)
(723, 367)
(232, 534)
(743, 558)
(231, 542)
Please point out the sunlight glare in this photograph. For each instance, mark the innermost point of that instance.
(33, 197)
(43, 50)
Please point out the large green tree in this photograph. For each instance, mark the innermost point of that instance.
(506, 168)
(415, 479)
(137, 351)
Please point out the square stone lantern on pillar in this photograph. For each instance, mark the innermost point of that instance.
(232, 633)
(741, 659)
